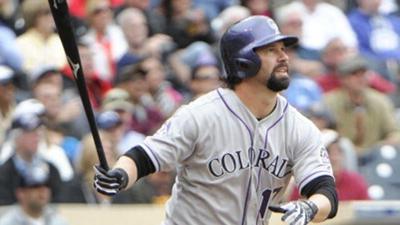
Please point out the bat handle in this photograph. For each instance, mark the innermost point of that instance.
(277, 209)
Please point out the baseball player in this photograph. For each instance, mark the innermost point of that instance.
(236, 148)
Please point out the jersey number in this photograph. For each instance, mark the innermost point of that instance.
(266, 197)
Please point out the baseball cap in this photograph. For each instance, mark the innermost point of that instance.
(130, 73)
(26, 122)
(117, 99)
(34, 174)
(41, 71)
(29, 106)
(352, 64)
(108, 119)
(6, 75)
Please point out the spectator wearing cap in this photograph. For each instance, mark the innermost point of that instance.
(25, 137)
(332, 55)
(117, 100)
(104, 38)
(45, 148)
(334, 52)
(350, 185)
(362, 114)
(111, 130)
(39, 45)
(146, 116)
(33, 195)
(7, 100)
(205, 75)
(46, 74)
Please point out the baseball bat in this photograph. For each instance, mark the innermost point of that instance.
(59, 10)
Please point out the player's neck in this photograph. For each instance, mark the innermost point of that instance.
(260, 103)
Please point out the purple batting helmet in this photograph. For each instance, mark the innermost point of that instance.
(239, 42)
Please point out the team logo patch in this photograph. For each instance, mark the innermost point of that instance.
(324, 156)
(273, 26)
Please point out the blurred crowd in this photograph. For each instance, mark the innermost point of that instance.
(142, 59)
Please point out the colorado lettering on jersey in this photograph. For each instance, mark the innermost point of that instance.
(231, 162)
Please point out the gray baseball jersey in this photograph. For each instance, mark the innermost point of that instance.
(231, 166)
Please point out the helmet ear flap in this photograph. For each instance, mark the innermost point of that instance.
(246, 67)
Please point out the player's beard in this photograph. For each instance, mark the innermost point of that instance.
(277, 84)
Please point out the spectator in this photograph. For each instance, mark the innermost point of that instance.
(378, 35)
(155, 23)
(185, 23)
(9, 52)
(146, 118)
(7, 100)
(33, 193)
(104, 38)
(59, 118)
(212, 8)
(206, 75)
(39, 37)
(363, 115)
(304, 61)
(257, 7)
(117, 100)
(323, 119)
(86, 160)
(25, 139)
(10, 15)
(303, 92)
(227, 17)
(111, 131)
(350, 185)
(136, 38)
(141, 45)
(319, 114)
(47, 150)
(77, 7)
(332, 54)
(322, 22)
(96, 86)
(165, 96)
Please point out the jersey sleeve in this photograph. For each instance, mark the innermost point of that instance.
(173, 142)
(310, 157)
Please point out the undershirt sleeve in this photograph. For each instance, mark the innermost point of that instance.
(144, 165)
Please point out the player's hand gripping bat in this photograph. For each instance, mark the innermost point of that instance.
(59, 10)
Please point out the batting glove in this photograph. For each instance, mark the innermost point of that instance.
(299, 212)
(110, 182)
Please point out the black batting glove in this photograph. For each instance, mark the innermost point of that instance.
(297, 212)
(109, 182)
